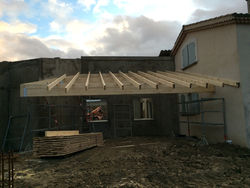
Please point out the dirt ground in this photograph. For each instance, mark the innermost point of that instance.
(140, 162)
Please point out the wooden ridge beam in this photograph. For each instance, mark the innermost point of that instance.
(160, 80)
(102, 80)
(176, 81)
(117, 81)
(55, 82)
(216, 80)
(87, 81)
(145, 80)
(131, 80)
(179, 76)
(72, 81)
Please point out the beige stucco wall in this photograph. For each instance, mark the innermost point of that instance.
(217, 55)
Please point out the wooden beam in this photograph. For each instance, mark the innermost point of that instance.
(131, 80)
(61, 133)
(176, 81)
(209, 81)
(35, 91)
(102, 80)
(87, 82)
(217, 81)
(159, 80)
(145, 80)
(117, 81)
(186, 78)
(55, 82)
(72, 81)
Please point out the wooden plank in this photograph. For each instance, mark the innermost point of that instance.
(131, 80)
(118, 82)
(63, 145)
(187, 78)
(87, 81)
(159, 80)
(145, 80)
(72, 81)
(61, 133)
(176, 81)
(55, 82)
(220, 81)
(102, 80)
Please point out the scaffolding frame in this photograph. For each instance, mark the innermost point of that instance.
(202, 113)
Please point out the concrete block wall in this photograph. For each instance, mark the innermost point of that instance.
(15, 73)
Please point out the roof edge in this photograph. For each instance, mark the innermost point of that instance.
(234, 18)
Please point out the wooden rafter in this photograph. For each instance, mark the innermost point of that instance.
(213, 80)
(194, 81)
(210, 82)
(117, 81)
(129, 83)
(102, 80)
(72, 81)
(55, 82)
(176, 81)
(156, 79)
(145, 80)
(131, 80)
(87, 81)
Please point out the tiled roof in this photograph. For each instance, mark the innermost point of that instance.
(210, 23)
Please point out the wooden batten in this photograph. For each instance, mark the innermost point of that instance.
(72, 81)
(145, 80)
(157, 79)
(168, 78)
(55, 82)
(131, 80)
(117, 81)
(87, 81)
(102, 80)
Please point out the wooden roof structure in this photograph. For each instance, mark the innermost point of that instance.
(121, 83)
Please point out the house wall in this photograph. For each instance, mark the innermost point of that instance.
(15, 73)
(218, 56)
(243, 41)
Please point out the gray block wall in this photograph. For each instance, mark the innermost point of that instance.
(15, 73)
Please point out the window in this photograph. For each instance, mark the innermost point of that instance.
(96, 110)
(189, 55)
(143, 108)
(189, 108)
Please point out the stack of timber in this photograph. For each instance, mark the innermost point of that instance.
(56, 144)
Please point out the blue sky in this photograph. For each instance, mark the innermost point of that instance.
(74, 28)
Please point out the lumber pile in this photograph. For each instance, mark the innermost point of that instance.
(52, 146)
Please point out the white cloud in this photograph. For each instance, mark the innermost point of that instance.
(55, 26)
(177, 10)
(99, 5)
(17, 27)
(87, 4)
(13, 8)
(58, 9)
(137, 36)
(213, 8)
(18, 47)
(76, 27)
